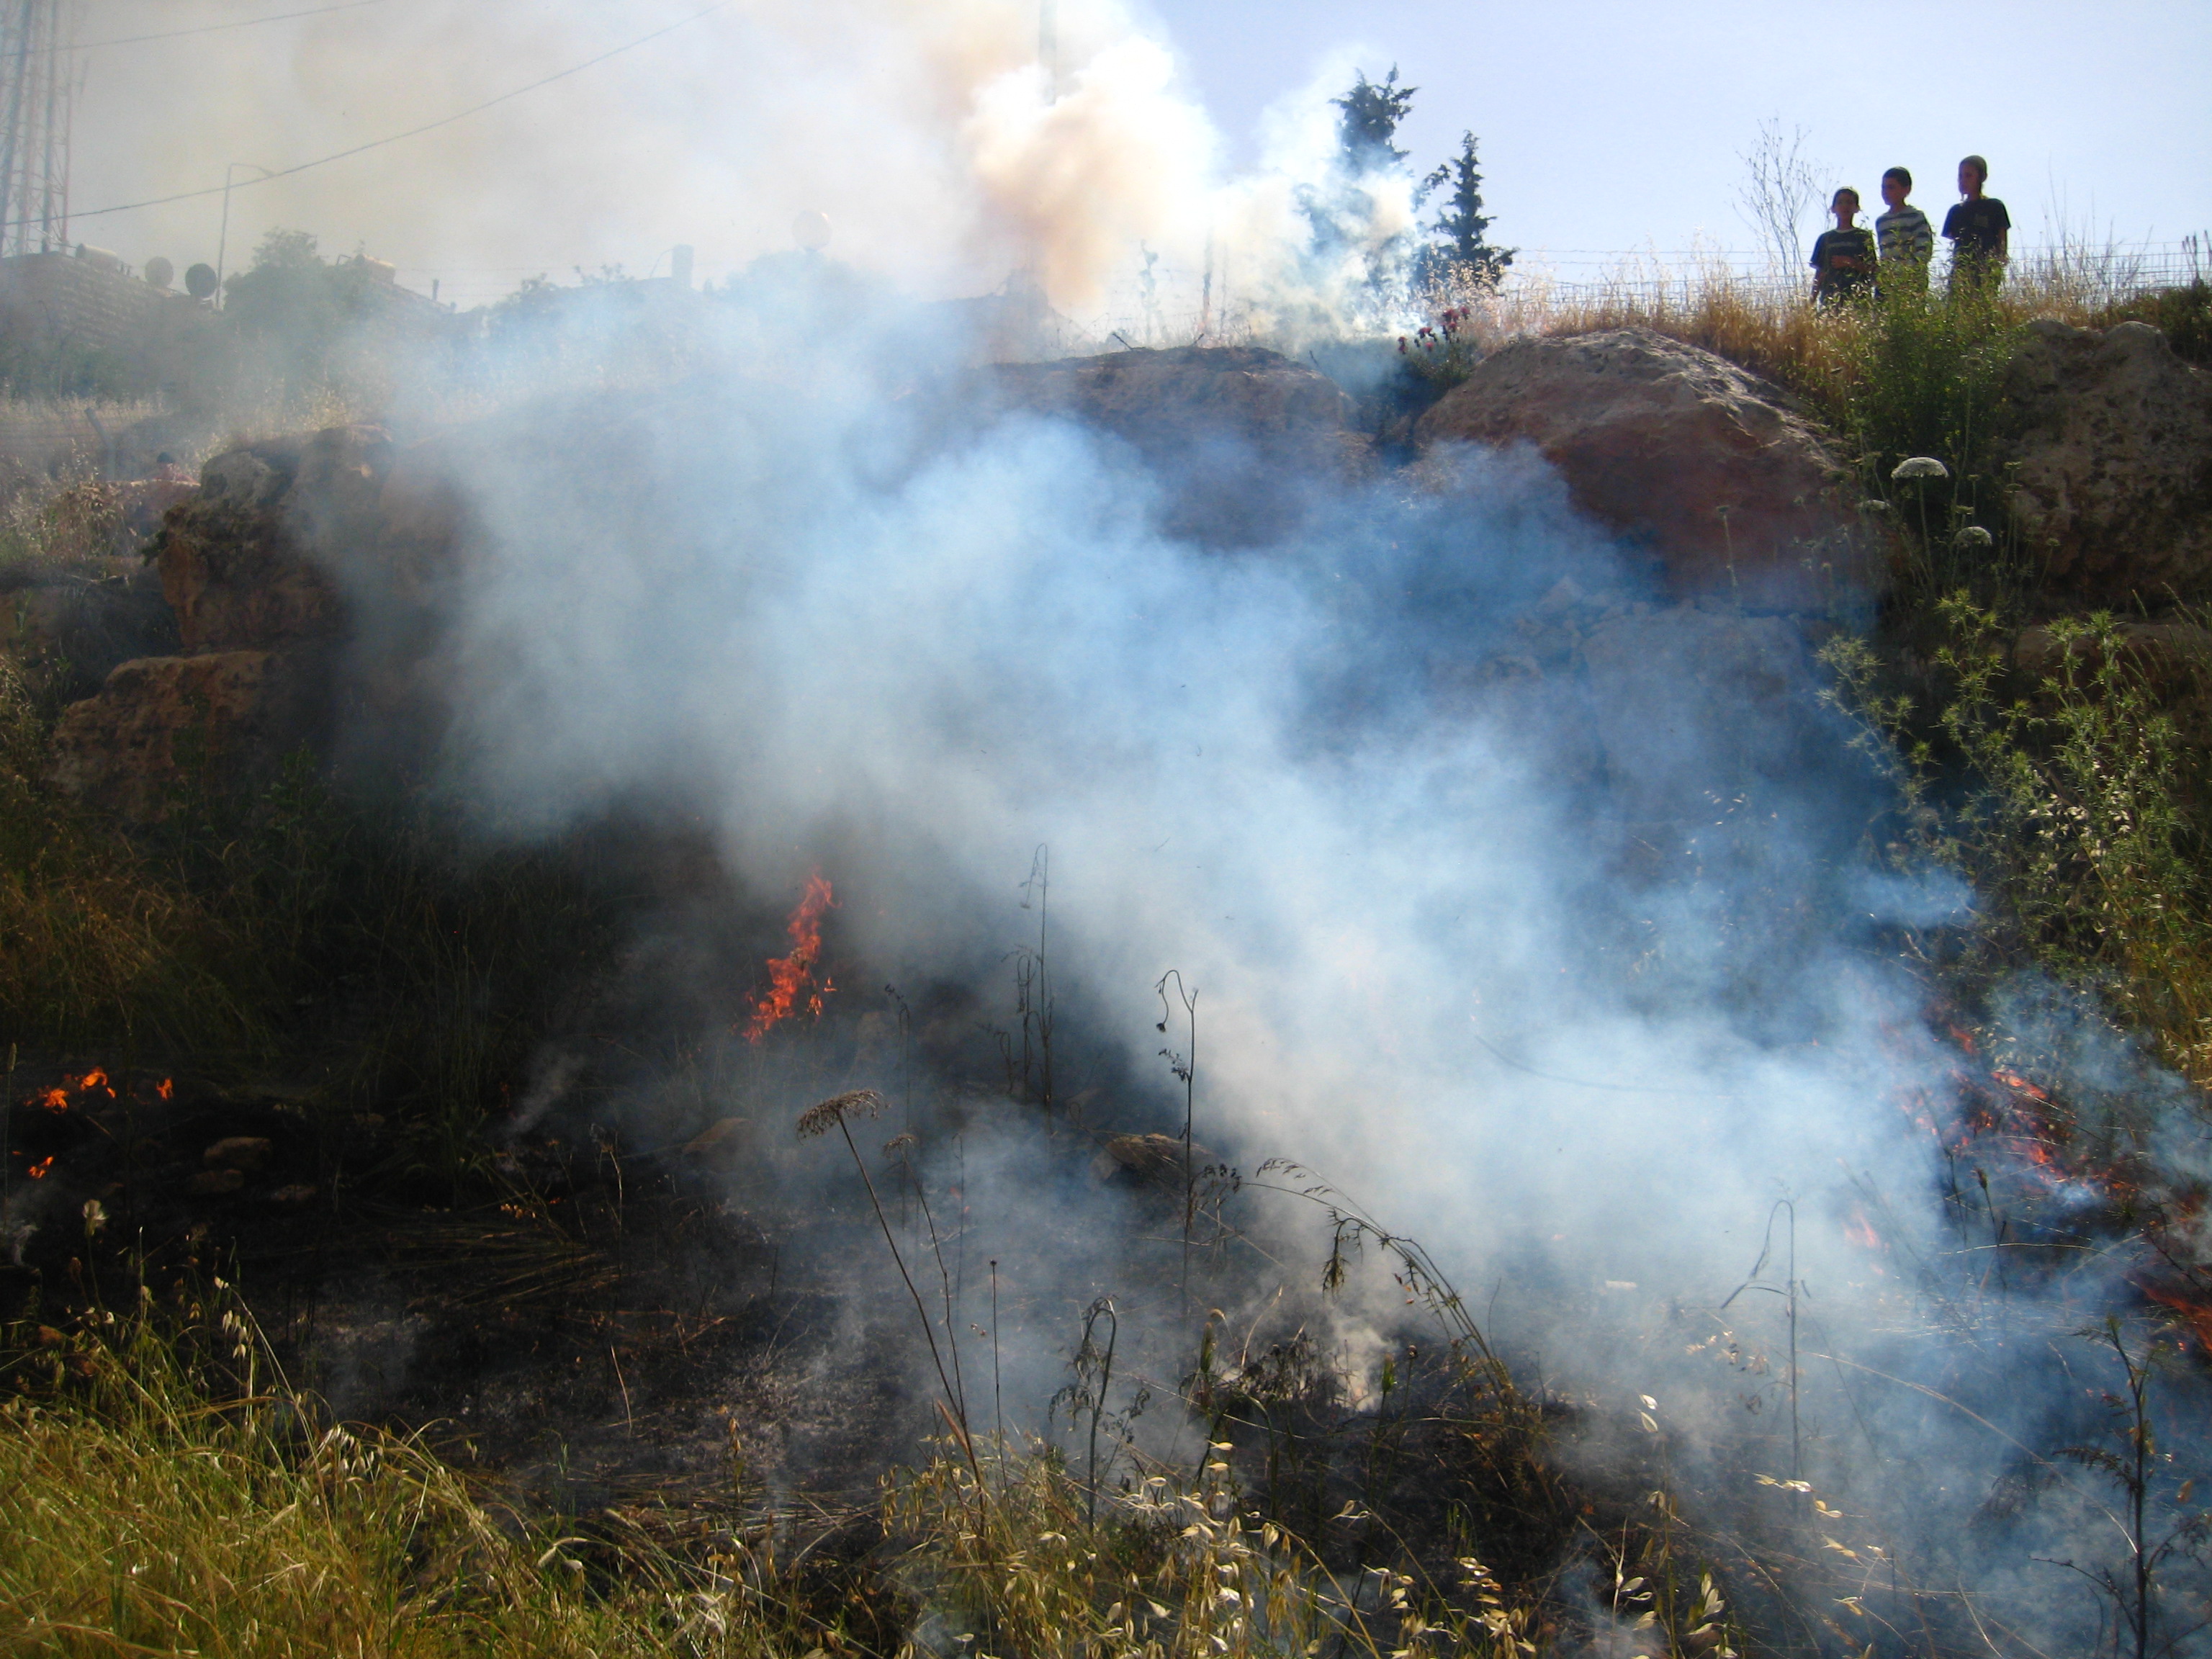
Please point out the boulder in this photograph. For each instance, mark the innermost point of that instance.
(2112, 448)
(163, 727)
(240, 561)
(255, 568)
(1702, 463)
(1231, 431)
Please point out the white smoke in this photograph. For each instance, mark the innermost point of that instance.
(1574, 976)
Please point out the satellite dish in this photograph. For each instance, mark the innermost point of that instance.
(160, 272)
(199, 281)
(811, 230)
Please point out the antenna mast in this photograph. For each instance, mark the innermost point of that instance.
(36, 88)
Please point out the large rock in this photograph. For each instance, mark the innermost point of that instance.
(245, 563)
(162, 729)
(252, 567)
(2113, 459)
(1234, 433)
(1701, 462)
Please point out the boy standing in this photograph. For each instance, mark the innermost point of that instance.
(1979, 230)
(1908, 241)
(1843, 258)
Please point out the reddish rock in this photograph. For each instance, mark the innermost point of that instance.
(1233, 432)
(2114, 463)
(244, 563)
(162, 727)
(1699, 461)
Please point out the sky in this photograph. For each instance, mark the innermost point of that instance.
(1606, 128)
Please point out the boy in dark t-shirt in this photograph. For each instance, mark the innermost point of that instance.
(1978, 229)
(1843, 259)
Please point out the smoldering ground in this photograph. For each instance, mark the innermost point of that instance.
(1532, 910)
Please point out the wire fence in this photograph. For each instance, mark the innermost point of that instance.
(1166, 311)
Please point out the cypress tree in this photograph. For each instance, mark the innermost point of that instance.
(1462, 247)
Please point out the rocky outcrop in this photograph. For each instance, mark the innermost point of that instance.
(1235, 433)
(164, 729)
(2112, 459)
(1700, 462)
(249, 565)
(243, 563)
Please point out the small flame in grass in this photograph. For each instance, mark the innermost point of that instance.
(38, 1171)
(166, 1088)
(1861, 1231)
(57, 1099)
(791, 978)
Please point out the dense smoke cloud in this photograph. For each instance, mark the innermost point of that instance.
(926, 132)
(947, 154)
(1580, 973)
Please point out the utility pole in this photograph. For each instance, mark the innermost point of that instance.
(222, 236)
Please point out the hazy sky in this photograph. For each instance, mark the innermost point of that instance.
(1604, 127)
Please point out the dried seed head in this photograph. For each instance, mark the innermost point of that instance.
(1921, 467)
(1973, 536)
(826, 1114)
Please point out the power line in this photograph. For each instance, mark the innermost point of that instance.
(206, 28)
(411, 132)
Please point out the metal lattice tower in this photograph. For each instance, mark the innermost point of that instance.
(35, 106)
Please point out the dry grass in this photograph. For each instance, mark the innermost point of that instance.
(141, 1517)
(1768, 327)
(1172, 1569)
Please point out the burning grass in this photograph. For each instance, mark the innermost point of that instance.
(293, 929)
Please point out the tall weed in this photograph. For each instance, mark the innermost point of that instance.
(2070, 796)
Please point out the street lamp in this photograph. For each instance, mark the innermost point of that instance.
(222, 241)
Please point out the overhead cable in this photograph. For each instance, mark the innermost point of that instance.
(393, 139)
(204, 28)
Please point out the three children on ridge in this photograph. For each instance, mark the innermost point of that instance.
(1845, 261)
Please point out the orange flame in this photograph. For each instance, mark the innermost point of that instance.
(1861, 1231)
(166, 1088)
(55, 1100)
(38, 1171)
(791, 976)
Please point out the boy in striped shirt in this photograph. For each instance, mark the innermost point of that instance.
(1907, 240)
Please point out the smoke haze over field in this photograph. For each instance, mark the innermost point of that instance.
(1531, 908)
